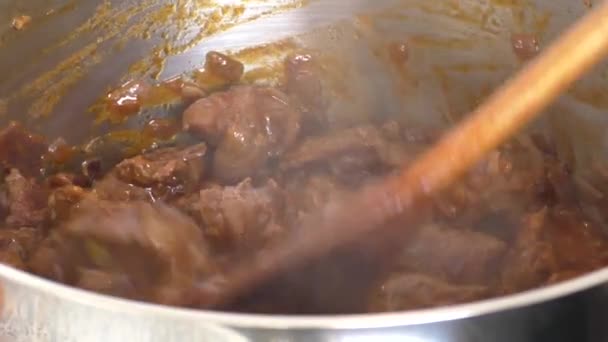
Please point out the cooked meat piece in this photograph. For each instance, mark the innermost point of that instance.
(357, 140)
(113, 189)
(564, 275)
(159, 248)
(224, 67)
(16, 245)
(55, 259)
(562, 184)
(174, 170)
(219, 72)
(59, 152)
(27, 201)
(247, 125)
(62, 179)
(304, 86)
(412, 291)
(115, 284)
(308, 193)
(157, 227)
(578, 245)
(240, 215)
(453, 202)
(457, 255)
(189, 91)
(421, 134)
(63, 199)
(21, 150)
(532, 261)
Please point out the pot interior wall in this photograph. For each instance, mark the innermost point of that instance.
(460, 50)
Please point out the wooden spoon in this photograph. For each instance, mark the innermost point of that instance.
(515, 104)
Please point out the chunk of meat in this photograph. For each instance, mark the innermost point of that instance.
(62, 179)
(63, 199)
(171, 169)
(307, 193)
(585, 244)
(115, 284)
(160, 249)
(188, 90)
(240, 215)
(532, 261)
(219, 72)
(223, 66)
(55, 258)
(458, 255)
(113, 189)
(27, 201)
(247, 125)
(59, 152)
(406, 291)
(21, 150)
(304, 86)
(358, 140)
(16, 245)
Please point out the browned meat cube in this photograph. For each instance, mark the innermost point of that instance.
(171, 167)
(110, 283)
(412, 291)
(304, 86)
(458, 255)
(161, 250)
(247, 125)
(16, 245)
(219, 72)
(362, 140)
(56, 258)
(27, 201)
(532, 261)
(240, 215)
(113, 189)
(63, 199)
(225, 67)
(21, 150)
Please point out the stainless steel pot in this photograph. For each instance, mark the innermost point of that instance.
(460, 49)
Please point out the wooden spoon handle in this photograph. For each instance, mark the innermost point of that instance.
(515, 104)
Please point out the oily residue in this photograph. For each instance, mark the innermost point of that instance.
(264, 65)
(171, 28)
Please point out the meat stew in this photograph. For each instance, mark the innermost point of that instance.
(161, 224)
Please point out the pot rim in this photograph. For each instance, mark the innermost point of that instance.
(325, 322)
